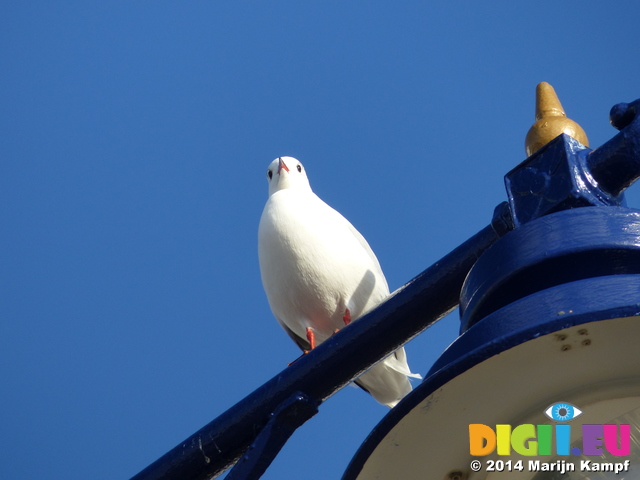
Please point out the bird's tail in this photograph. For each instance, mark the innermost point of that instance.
(388, 380)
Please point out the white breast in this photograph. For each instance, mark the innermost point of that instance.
(314, 264)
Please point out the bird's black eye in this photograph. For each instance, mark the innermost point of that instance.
(269, 174)
(299, 167)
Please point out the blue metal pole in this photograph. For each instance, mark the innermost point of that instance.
(616, 164)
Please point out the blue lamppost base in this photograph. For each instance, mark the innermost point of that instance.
(551, 312)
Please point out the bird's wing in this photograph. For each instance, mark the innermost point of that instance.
(398, 361)
(363, 243)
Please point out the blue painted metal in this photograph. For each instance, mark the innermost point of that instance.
(283, 422)
(559, 248)
(554, 178)
(616, 164)
(564, 174)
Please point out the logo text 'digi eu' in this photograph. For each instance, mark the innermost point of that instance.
(533, 440)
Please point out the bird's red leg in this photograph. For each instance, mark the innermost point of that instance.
(346, 318)
(311, 337)
(312, 343)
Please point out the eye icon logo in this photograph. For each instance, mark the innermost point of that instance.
(562, 412)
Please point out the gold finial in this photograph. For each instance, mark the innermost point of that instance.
(551, 121)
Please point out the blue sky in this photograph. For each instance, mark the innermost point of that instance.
(135, 141)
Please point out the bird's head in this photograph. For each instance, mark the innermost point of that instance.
(287, 172)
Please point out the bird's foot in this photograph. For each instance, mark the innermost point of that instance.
(346, 318)
(304, 352)
(311, 337)
(312, 342)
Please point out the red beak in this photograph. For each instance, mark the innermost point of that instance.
(282, 165)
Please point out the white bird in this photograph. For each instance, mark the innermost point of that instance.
(319, 273)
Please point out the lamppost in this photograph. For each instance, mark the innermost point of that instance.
(550, 313)
(549, 308)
